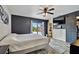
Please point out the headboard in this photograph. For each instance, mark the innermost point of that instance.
(3, 30)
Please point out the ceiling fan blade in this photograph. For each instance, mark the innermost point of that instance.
(51, 9)
(50, 13)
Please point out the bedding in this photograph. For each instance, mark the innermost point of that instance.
(60, 46)
(19, 42)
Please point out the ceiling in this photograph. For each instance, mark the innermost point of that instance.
(32, 10)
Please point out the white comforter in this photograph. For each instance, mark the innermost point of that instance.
(60, 46)
(24, 41)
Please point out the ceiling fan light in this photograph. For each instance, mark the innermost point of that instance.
(44, 14)
(77, 17)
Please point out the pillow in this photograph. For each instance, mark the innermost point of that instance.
(13, 34)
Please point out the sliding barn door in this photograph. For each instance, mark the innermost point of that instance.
(21, 25)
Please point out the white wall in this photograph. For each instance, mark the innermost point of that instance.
(7, 11)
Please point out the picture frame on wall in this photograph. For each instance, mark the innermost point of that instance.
(4, 18)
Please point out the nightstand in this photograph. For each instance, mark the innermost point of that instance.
(4, 49)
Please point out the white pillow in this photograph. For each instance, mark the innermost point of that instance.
(13, 34)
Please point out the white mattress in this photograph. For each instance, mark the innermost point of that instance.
(25, 41)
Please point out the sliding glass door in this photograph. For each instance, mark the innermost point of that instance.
(38, 27)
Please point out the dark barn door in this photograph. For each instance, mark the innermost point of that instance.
(21, 25)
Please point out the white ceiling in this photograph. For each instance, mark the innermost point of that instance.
(32, 10)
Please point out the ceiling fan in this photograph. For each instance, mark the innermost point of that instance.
(46, 10)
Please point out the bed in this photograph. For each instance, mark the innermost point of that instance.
(21, 43)
(59, 46)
